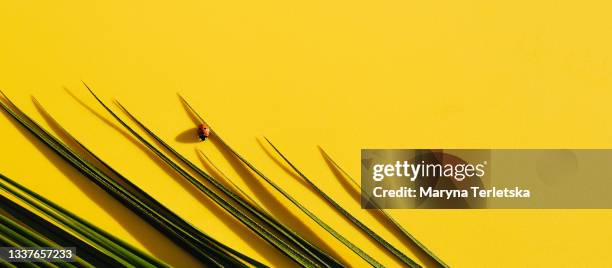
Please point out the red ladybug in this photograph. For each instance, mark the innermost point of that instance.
(203, 132)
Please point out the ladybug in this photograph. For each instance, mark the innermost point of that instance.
(203, 132)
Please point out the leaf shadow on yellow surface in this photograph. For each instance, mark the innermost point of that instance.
(271, 203)
(148, 236)
(217, 173)
(376, 213)
(353, 192)
(187, 136)
(229, 221)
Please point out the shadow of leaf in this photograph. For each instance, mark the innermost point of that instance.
(188, 136)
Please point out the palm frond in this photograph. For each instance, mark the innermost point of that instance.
(310, 249)
(94, 247)
(53, 226)
(150, 201)
(7, 241)
(208, 250)
(325, 226)
(7, 229)
(34, 239)
(386, 215)
(256, 227)
(405, 259)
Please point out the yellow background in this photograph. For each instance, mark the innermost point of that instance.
(341, 74)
